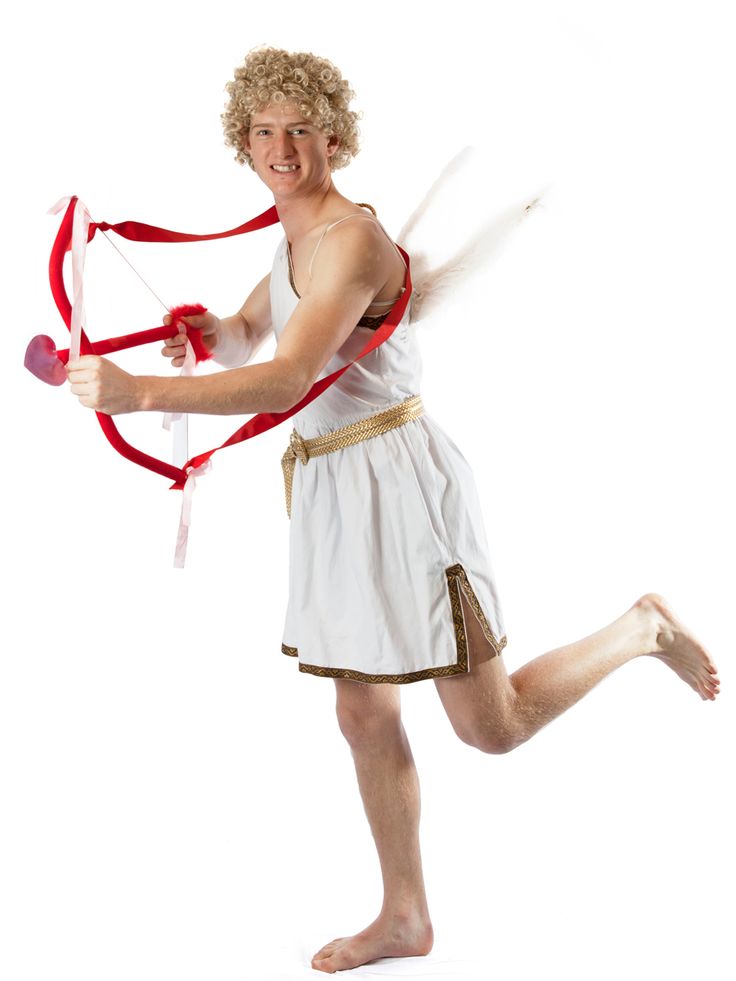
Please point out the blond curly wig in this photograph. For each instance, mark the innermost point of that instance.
(271, 75)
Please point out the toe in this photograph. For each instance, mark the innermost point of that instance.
(325, 952)
(323, 965)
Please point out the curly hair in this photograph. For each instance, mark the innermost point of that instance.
(271, 75)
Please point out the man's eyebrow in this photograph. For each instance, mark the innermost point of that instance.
(269, 122)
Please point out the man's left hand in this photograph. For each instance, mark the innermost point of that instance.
(101, 385)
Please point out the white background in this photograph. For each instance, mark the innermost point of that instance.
(178, 800)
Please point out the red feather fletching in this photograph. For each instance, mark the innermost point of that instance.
(193, 333)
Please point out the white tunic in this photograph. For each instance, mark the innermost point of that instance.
(384, 532)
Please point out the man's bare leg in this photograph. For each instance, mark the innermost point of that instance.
(370, 719)
(495, 712)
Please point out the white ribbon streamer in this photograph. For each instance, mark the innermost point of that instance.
(80, 233)
(180, 452)
(182, 537)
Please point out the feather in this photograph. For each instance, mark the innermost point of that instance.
(434, 282)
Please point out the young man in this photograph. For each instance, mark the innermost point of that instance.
(390, 575)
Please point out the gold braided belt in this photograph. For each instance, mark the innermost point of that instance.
(381, 422)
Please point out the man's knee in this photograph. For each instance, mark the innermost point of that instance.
(367, 718)
(496, 736)
(497, 742)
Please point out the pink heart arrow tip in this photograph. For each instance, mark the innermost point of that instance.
(41, 359)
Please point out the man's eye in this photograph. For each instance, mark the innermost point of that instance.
(261, 131)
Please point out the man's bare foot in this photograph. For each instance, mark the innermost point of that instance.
(679, 648)
(410, 935)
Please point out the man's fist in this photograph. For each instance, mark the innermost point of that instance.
(101, 385)
(175, 347)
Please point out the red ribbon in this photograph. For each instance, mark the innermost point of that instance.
(140, 232)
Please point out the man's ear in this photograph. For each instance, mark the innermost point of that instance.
(332, 144)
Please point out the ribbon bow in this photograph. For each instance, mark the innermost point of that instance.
(85, 230)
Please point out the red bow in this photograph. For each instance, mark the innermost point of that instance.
(140, 232)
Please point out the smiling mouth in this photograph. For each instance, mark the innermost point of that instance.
(285, 169)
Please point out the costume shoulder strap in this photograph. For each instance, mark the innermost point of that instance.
(345, 218)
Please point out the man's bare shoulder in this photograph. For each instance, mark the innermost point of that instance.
(355, 252)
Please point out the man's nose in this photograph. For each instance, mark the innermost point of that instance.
(284, 144)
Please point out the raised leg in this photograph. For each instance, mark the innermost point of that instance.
(370, 719)
(495, 712)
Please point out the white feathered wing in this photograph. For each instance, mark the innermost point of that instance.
(433, 283)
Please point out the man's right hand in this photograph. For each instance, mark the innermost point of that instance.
(176, 347)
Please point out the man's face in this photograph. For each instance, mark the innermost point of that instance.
(289, 153)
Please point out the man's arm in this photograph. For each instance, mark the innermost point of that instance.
(240, 337)
(353, 266)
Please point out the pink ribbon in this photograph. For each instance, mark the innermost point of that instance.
(182, 537)
(177, 422)
(80, 234)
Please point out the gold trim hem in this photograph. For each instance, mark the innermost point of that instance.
(456, 580)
